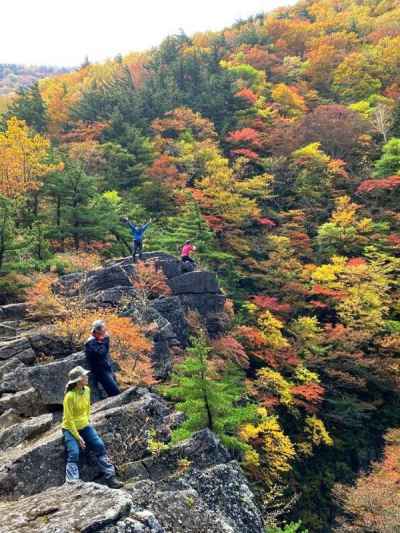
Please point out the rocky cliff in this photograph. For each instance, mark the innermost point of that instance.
(195, 486)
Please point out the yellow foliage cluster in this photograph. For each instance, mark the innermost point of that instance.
(271, 327)
(273, 458)
(22, 159)
(273, 382)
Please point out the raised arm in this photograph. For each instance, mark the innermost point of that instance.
(126, 221)
(145, 226)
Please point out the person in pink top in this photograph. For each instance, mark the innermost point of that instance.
(187, 249)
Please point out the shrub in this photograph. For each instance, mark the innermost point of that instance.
(43, 304)
(13, 287)
(150, 281)
(130, 348)
(77, 262)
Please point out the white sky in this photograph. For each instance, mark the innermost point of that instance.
(63, 32)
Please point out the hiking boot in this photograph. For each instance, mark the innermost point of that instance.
(113, 482)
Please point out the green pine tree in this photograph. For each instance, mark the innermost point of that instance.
(7, 230)
(209, 401)
(30, 107)
(389, 163)
(37, 241)
(75, 216)
(189, 225)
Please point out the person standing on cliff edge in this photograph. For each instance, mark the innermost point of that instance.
(138, 235)
(97, 351)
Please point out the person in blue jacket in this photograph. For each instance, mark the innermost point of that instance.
(97, 351)
(138, 234)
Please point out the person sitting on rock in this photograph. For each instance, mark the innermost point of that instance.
(138, 235)
(97, 350)
(77, 431)
(187, 249)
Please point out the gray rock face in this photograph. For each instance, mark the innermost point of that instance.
(20, 347)
(203, 450)
(24, 403)
(210, 493)
(9, 418)
(14, 435)
(48, 380)
(68, 285)
(8, 329)
(195, 283)
(112, 297)
(9, 366)
(46, 344)
(82, 507)
(107, 278)
(172, 310)
(13, 311)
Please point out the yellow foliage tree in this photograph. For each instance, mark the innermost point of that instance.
(22, 159)
(273, 458)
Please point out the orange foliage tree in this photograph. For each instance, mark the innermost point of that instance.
(130, 347)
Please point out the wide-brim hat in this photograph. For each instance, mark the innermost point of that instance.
(76, 374)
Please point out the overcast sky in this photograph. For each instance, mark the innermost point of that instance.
(63, 32)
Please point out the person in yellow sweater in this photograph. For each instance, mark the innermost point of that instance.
(77, 431)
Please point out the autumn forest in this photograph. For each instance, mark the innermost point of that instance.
(274, 145)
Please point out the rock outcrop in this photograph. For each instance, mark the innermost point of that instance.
(192, 487)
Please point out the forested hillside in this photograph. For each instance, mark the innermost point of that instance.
(274, 146)
(14, 77)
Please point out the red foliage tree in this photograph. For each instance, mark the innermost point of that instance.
(385, 184)
(247, 95)
(271, 303)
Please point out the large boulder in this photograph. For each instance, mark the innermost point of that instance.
(19, 347)
(24, 403)
(81, 507)
(44, 343)
(195, 487)
(204, 304)
(172, 310)
(13, 311)
(48, 380)
(69, 285)
(19, 432)
(198, 282)
(107, 278)
(10, 365)
(110, 297)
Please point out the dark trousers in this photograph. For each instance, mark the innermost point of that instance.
(187, 258)
(108, 382)
(137, 247)
(95, 444)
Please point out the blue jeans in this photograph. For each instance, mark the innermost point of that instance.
(93, 443)
(108, 383)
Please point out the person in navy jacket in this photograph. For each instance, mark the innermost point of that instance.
(97, 350)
